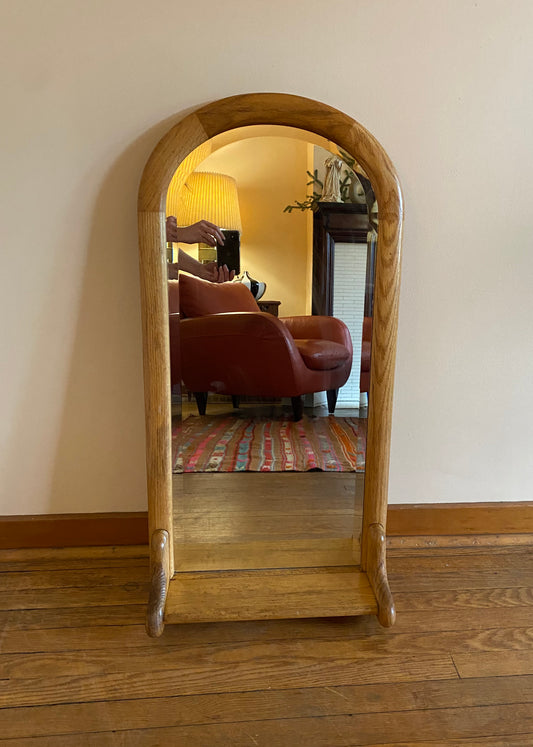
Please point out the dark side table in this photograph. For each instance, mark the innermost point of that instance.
(271, 307)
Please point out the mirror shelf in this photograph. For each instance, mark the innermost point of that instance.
(266, 579)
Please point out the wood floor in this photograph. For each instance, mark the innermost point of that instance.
(78, 669)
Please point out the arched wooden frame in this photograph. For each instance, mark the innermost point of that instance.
(182, 139)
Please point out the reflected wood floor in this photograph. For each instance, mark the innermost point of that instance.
(220, 516)
(78, 669)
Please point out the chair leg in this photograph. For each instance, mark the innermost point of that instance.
(297, 408)
(236, 401)
(332, 400)
(201, 402)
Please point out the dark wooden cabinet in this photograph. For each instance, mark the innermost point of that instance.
(338, 222)
(271, 307)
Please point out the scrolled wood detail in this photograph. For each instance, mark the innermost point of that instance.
(159, 562)
(376, 570)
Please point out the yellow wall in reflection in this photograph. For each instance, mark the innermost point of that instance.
(270, 173)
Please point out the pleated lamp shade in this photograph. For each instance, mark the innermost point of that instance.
(212, 197)
(182, 173)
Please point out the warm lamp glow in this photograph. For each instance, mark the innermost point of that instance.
(212, 197)
(182, 173)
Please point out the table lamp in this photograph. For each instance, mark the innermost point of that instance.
(213, 197)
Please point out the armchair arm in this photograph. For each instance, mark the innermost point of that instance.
(175, 358)
(367, 329)
(318, 328)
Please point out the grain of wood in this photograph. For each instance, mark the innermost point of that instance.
(95, 635)
(464, 646)
(245, 707)
(269, 594)
(341, 731)
(466, 598)
(233, 671)
(64, 618)
(456, 669)
(489, 664)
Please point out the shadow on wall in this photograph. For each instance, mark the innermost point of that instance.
(100, 461)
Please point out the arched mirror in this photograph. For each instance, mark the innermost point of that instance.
(238, 530)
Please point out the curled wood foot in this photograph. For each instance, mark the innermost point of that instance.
(159, 563)
(377, 575)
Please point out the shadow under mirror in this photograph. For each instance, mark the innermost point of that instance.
(264, 477)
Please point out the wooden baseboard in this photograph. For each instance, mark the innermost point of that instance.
(416, 519)
(74, 530)
(475, 520)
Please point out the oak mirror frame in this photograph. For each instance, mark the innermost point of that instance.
(266, 593)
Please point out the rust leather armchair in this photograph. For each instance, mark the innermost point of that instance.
(228, 346)
(366, 348)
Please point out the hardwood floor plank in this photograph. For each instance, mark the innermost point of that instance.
(491, 603)
(66, 564)
(505, 740)
(129, 593)
(516, 643)
(128, 629)
(479, 543)
(76, 554)
(455, 580)
(76, 666)
(247, 668)
(417, 621)
(79, 578)
(424, 612)
(342, 731)
(489, 664)
(262, 705)
(487, 562)
(71, 617)
(464, 599)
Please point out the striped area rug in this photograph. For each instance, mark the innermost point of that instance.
(222, 443)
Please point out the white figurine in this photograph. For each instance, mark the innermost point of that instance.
(332, 181)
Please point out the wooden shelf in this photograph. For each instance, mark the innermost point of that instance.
(268, 595)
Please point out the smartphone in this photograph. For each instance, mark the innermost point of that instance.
(230, 253)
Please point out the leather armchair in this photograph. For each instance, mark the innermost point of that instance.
(365, 354)
(229, 347)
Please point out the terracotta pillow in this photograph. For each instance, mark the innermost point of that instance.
(200, 297)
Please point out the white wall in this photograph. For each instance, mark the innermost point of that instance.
(88, 89)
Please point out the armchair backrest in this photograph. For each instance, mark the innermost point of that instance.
(200, 297)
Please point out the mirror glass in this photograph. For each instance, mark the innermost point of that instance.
(252, 487)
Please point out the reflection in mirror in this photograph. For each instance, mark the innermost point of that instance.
(251, 459)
